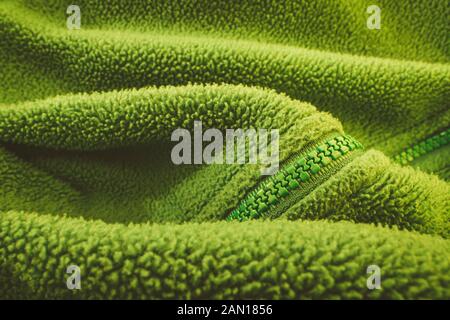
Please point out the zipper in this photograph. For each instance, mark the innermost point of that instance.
(298, 177)
(423, 147)
(305, 171)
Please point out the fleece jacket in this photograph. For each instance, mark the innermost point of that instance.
(87, 178)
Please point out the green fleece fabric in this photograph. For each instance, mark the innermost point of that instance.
(86, 177)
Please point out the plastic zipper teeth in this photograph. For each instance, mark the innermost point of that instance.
(297, 178)
(428, 145)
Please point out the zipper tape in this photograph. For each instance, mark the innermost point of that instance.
(298, 177)
(423, 147)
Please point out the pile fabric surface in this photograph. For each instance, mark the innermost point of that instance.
(87, 179)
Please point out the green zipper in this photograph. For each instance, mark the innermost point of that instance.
(300, 175)
(297, 177)
(423, 147)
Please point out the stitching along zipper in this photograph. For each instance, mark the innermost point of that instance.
(298, 177)
(428, 145)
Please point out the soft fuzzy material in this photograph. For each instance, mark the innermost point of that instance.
(86, 178)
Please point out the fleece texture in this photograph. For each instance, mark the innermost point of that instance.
(86, 177)
(215, 260)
